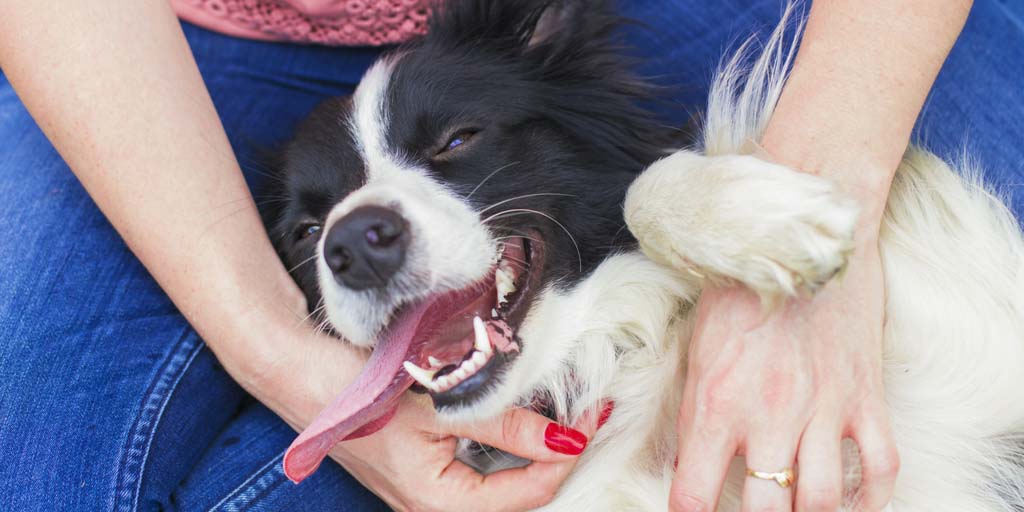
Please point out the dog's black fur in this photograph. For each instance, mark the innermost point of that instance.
(541, 95)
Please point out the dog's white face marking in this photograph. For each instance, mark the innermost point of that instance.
(449, 249)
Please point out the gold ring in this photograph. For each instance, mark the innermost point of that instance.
(784, 478)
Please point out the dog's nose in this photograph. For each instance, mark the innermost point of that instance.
(365, 248)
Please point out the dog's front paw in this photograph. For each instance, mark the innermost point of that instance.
(742, 219)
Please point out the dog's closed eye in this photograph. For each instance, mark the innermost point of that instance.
(456, 142)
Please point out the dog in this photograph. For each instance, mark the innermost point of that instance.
(495, 213)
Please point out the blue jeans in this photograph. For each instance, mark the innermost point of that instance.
(110, 401)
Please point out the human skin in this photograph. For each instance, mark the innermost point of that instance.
(790, 385)
(115, 88)
(860, 79)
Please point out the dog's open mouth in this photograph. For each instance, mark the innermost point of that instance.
(459, 361)
(451, 345)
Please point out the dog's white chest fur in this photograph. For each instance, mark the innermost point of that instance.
(954, 336)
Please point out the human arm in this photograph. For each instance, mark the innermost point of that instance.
(790, 385)
(115, 88)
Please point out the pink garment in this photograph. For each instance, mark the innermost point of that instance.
(330, 22)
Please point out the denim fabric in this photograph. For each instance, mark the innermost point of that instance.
(976, 107)
(110, 401)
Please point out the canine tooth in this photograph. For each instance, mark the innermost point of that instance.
(422, 376)
(480, 342)
(504, 289)
(504, 282)
(434, 362)
(479, 358)
(494, 313)
(502, 276)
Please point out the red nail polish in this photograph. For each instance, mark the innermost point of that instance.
(606, 413)
(564, 439)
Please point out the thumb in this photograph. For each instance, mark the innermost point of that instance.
(529, 435)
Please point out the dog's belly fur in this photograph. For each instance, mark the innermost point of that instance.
(953, 357)
(953, 360)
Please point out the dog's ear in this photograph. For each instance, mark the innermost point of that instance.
(571, 53)
(556, 22)
(519, 26)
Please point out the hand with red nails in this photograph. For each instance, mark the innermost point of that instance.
(411, 465)
(783, 388)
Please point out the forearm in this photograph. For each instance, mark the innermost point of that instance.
(114, 86)
(860, 79)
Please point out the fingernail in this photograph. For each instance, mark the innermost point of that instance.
(564, 440)
(606, 413)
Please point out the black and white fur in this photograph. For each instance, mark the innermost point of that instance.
(554, 113)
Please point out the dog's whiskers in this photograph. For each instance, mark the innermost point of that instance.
(511, 237)
(517, 262)
(525, 211)
(303, 262)
(489, 176)
(321, 307)
(499, 203)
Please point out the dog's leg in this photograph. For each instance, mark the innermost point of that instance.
(742, 219)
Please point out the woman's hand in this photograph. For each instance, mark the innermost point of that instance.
(787, 387)
(410, 463)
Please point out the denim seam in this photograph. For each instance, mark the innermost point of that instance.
(245, 494)
(137, 446)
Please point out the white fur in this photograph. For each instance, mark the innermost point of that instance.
(954, 335)
(449, 247)
(744, 219)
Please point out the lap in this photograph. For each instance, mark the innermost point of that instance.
(110, 399)
(976, 108)
(242, 471)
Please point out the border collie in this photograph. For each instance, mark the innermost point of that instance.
(466, 212)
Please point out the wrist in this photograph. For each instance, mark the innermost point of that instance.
(861, 176)
(291, 368)
(253, 327)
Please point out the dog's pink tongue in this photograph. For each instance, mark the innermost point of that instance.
(364, 407)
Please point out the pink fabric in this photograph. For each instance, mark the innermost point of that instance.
(330, 22)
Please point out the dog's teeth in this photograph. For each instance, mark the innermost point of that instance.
(444, 383)
(435, 362)
(504, 283)
(422, 376)
(459, 374)
(479, 358)
(480, 342)
(494, 313)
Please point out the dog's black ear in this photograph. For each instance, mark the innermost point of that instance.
(519, 25)
(553, 22)
(572, 56)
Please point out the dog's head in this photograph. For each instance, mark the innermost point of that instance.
(470, 172)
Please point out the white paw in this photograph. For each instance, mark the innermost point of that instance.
(742, 219)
